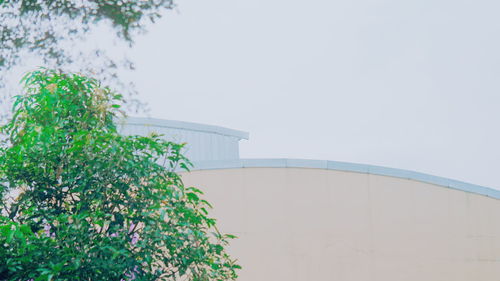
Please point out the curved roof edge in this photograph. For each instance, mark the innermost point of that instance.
(186, 126)
(349, 167)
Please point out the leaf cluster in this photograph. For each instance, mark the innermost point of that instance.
(83, 202)
(41, 25)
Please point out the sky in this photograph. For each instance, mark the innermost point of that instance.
(405, 84)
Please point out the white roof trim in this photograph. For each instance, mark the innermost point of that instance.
(349, 167)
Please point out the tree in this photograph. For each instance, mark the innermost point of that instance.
(53, 30)
(93, 204)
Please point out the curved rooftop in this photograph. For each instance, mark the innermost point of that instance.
(174, 124)
(214, 147)
(348, 167)
(204, 142)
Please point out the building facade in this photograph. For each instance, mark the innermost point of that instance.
(303, 220)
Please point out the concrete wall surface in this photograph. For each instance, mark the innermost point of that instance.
(301, 224)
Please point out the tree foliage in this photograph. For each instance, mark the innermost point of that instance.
(92, 204)
(55, 30)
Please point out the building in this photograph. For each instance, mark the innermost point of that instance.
(301, 220)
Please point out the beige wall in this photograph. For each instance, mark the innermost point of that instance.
(297, 224)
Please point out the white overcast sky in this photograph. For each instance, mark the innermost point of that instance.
(405, 84)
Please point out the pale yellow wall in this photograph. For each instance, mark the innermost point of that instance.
(297, 224)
